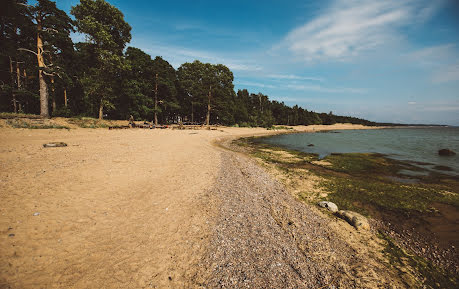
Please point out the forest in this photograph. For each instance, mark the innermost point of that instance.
(44, 72)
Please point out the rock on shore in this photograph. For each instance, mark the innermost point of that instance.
(355, 219)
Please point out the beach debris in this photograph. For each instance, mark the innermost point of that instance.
(355, 219)
(36, 214)
(446, 152)
(54, 144)
(11, 235)
(332, 207)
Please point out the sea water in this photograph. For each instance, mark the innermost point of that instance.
(419, 145)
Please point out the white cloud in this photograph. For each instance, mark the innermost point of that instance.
(325, 89)
(441, 60)
(294, 77)
(349, 27)
(254, 84)
(447, 74)
(179, 55)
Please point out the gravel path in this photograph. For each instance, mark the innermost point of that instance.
(265, 238)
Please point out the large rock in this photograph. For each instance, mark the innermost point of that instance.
(446, 152)
(355, 219)
(329, 205)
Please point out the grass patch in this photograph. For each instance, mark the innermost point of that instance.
(279, 127)
(359, 194)
(10, 115)
(89, 122)
(19, 123)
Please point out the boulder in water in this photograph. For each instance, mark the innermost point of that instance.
(310, 145)
(355, 219)
(329, 205)
(446, 152)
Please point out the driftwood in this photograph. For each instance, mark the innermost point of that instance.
(54, 144)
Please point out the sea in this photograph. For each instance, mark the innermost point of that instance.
(414, 144)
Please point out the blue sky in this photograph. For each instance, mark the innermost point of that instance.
(391, 61)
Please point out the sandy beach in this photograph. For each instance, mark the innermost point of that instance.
(144, 208)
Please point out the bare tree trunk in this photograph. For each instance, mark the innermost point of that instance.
(156, 100)
(44, 112)
(15, 109)
(25, 78)
(18, 73)
(192, 114)
(101, 110)
(65, 97)
(208, 107)
(53, 94)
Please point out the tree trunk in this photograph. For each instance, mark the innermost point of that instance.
(25, 79)
(65, 97)
(53, 95)
(208, 107)
(192, 114)
(156, 100)
(101, 110)
(15, 109)
(18, 73)
(44, 112)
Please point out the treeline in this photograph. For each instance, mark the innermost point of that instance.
(44, 72)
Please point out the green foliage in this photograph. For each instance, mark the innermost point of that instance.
(107, 34)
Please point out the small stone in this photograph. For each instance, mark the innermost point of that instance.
(11, 235)
(170, 278)
(36, 214)
(329, 205)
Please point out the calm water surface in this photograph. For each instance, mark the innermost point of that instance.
(412, 144)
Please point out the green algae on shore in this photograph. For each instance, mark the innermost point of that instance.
(381, 188)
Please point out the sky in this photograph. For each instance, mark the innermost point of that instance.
(387, 61)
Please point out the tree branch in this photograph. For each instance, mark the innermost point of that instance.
(28, 50)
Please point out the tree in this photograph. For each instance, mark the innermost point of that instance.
(16, 30)
(108, 33)
(166, 89)
(137, 85)
(210, 87)
(53, 28)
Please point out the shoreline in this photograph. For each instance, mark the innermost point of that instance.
(120, 204)
(288, 166)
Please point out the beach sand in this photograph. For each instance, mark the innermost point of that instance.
(134, 208)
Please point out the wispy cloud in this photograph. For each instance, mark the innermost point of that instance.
(179, 55)
(447, 74)
(254, 84)
(349, 27)
(300, 87)
(320, 88)
(441, 60)
(294, 77)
